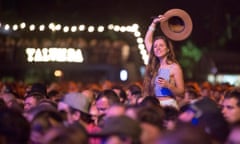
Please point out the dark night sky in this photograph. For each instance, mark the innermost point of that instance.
(209, 16)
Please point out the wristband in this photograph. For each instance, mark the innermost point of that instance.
(151, 28)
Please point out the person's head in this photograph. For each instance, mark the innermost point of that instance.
(186, 134)
(151, 120)
(42, 122)
(217, 93)
(37, 88)
(131, 111)
(30, 114)
(93, 111)
(120, 92)
(90, 95)
(190, 95)
(8, 98)
(205, 89)
(72, 134)
(162, 47)
(206, 114)
(76, 106)
(171, 116)
(150, 101)
(106, 84)
(54, 95)
(134, 92)
(48, 103)
(122, 129)
(72, 87)
(14, 128)
(32, 100)
(231, 105)
(105, 99)
(116, 110)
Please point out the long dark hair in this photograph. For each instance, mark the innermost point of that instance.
(154, 64)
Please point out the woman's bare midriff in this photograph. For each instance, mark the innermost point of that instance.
(165, 98)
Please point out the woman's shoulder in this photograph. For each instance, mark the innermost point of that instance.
(174, 65)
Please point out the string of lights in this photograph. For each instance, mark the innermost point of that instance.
(133, 29)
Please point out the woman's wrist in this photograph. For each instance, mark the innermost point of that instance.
(154, 23)
(152, 26)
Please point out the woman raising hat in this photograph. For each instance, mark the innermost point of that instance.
(163, 77)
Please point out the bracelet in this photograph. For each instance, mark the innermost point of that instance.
(151, 28)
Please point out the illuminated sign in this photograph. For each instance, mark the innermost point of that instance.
(54, 55)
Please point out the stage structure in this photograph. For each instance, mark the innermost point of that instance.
(79, 52)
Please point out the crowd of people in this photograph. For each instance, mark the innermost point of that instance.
(72, 112)
(161, 110)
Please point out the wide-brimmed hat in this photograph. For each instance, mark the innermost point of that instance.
(177, 25)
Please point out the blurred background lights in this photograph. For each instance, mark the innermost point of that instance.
(123, 75)
(32, 27)
(123, 29)
(145, 59)
(100, 29)
(91, 29)
(81, 27)
(41, 27)
(65, 29)
(73, 28)
(143, 52)
(7, 27)
(137, 34)
(139, 40)
(141, 46)
(135, 27)
(22, 25)
(58, 73)
(58, 27)
(110, 26)
(15, 27)
(51, 26)
(116, 28)
(129, 29)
